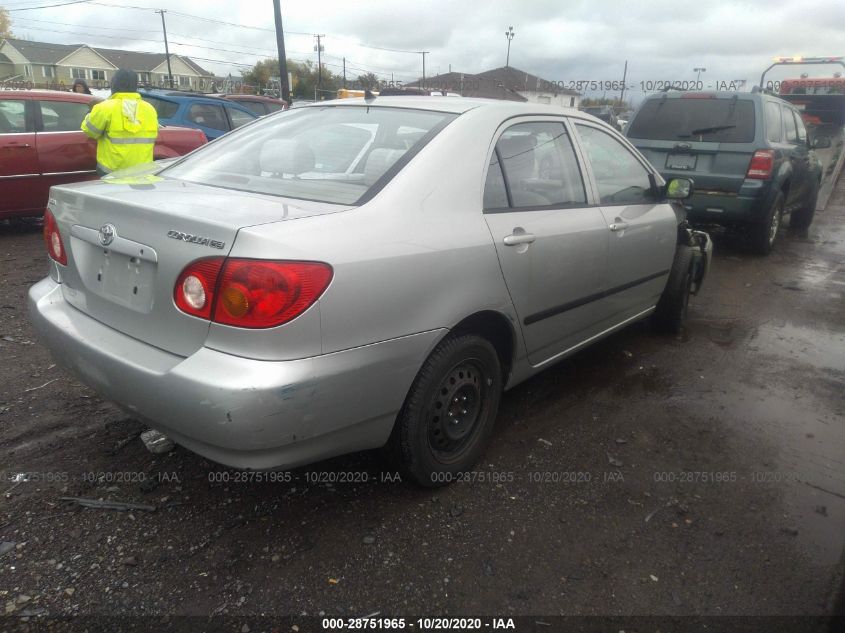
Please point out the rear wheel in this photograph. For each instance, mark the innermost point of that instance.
(802, 218)
(764, 234)
(671, 310)
(449, 412)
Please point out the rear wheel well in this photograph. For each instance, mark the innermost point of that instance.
(785, 189)
(494, 327)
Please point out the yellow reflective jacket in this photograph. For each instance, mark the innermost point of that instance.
(125, 128)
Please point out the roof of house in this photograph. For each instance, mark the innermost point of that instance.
(42, 52)
(516, 79)
(500, 83)
(45, 53)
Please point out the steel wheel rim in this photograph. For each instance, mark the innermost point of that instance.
(774, 226)
(456, 410)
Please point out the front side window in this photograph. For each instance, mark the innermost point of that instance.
(773, 122)
(238, 117)
(495, 193)
(620, 177)
(12, 116)
(62, 116)
(208, 115)
(335, 154)
(539, 166)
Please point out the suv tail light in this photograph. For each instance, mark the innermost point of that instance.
(53, 239)
(761, 164)
(250, 293)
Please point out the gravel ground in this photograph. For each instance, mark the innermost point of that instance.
(702, 474)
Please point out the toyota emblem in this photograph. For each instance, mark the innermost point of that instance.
(107, 234)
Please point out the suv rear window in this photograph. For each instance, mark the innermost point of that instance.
(713, 120)
(332, 154)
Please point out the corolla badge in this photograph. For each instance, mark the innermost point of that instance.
(107, 233)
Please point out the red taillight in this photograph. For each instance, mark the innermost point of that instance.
(53, 239)
(194, 290)
(761, 164)
(250, 293)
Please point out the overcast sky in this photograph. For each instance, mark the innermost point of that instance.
(559, 41)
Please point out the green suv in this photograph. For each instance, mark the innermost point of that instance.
(748, 153)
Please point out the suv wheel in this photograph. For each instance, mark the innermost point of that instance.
(449, 412)
(672, 308)
(764, 234)
(802, 218)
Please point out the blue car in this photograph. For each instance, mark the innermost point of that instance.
(212, 115)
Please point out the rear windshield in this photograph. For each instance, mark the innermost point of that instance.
(331, 154)
(714, 120)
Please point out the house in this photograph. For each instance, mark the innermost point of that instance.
(508, 83)
(58, 65)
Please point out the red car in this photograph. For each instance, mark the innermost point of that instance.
(259, 104)
(41, 145)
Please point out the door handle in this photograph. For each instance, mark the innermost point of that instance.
(519, 238)
(618, 225)
(21, 146)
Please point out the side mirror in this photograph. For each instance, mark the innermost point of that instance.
(679, 188)
(820, 142)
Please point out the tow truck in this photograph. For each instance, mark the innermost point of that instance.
(821, 101)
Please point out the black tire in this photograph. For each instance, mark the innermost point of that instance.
(671, 310)
(764, 234)
(425, 444)
(802, 218)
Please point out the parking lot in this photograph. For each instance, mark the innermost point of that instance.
(701, 474)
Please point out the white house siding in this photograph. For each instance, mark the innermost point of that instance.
(550, 98)
(87, 59)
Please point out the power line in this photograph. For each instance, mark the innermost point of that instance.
(49, 6)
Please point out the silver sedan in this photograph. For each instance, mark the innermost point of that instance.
(358, 274)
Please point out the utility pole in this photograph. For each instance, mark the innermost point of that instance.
(319, 49)
(624, 77)
(509, 34)
(284, 88)
(166, 49)
(699, 71)
(424, 53)
(344, 72)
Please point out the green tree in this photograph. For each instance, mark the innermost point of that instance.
(5, 24)
(368, 81)
(305, 77)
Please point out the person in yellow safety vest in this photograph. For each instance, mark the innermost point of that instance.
(124, 126)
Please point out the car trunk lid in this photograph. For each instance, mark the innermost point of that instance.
(129, 238)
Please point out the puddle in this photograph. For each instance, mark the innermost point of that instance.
(819, 348)
(807, 465)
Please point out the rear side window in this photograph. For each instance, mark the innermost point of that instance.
(273, 107)
(773, 122)
(164, 108)
(254, 106)
(620, 177)
(12, 116)
(238, 117)
(495, 194)
(789, 126)
(208, 115)
(799, 127)
(62, 116)
(539, 165)
(711, 120)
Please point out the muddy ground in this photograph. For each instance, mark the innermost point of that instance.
(703, 474)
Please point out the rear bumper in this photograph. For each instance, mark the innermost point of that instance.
(748, 206)
(236, 411)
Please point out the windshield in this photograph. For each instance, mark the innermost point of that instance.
(713, 120)
(331, 154)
